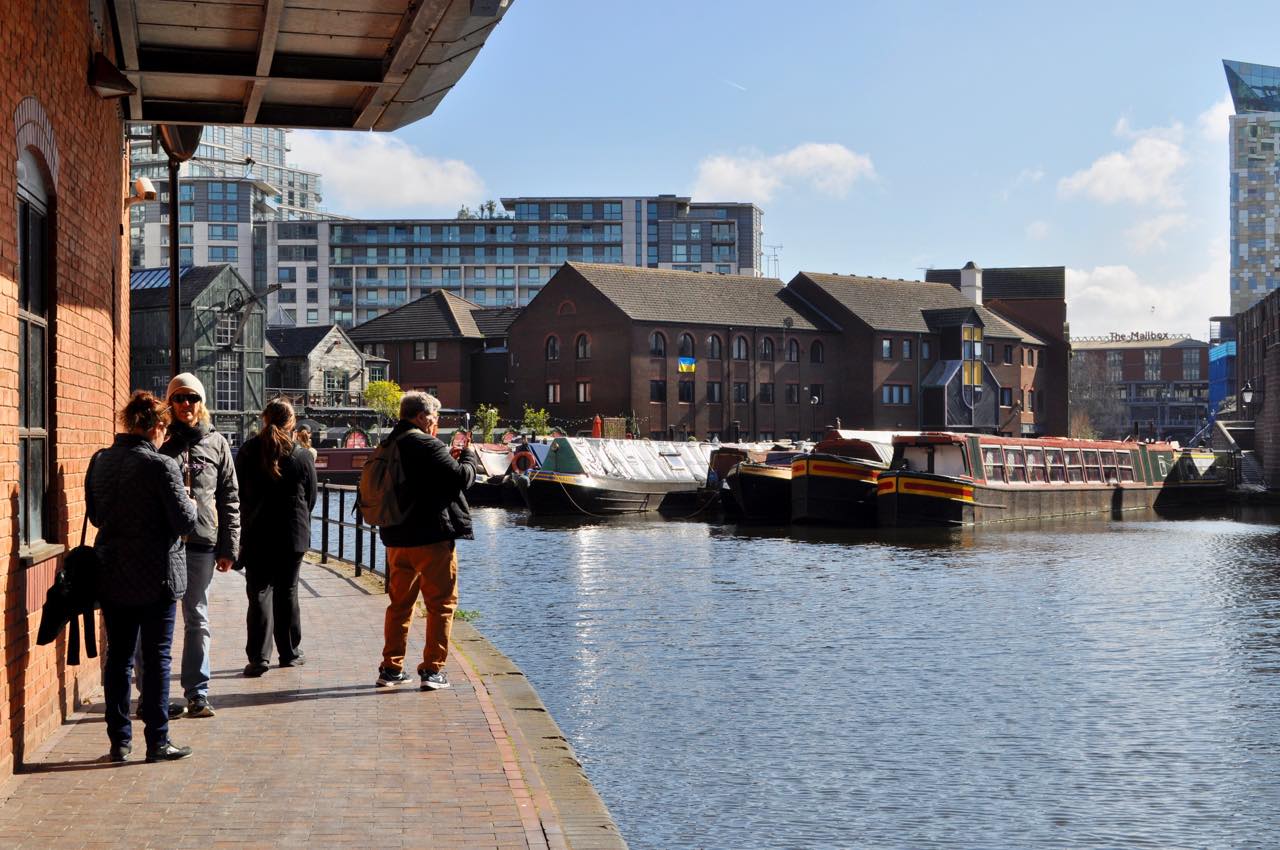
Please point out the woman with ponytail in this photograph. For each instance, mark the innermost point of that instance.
(277, 493)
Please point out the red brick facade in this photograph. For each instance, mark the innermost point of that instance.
(77, 140)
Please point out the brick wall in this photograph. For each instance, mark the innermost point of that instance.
(48, 107)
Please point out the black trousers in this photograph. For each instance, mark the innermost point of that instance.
(272, 585)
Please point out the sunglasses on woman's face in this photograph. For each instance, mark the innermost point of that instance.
(184, 398)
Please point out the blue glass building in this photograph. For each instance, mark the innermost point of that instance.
(1255, 181)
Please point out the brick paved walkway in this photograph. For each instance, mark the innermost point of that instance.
(303, 757)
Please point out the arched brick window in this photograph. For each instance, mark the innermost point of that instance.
(553, 347)
(714, 349)
(793, 351)
(766, 349)
(582, 347)
(741, 350)
(816, 352)
(686, 345)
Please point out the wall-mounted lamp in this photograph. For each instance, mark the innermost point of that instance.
(1246, 393)
(143, 190)
(107, 81)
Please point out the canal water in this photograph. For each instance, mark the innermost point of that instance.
(1081, 683)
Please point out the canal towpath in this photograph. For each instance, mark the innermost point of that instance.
(316, 756)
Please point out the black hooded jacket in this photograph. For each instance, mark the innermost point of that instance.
(433, 489)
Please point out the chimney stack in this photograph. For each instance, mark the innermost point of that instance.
(971, 282)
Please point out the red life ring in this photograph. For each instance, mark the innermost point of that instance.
(524, 461)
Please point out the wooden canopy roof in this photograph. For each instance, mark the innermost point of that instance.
(327, 64)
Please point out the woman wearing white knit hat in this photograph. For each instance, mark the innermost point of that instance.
(209, 471)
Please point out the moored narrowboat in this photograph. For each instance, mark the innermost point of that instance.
(762, 488)
(606, 477)
(950, 479)
(836, 482)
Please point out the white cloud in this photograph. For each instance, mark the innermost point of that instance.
(1037, 230)
(1146, 173)
(1117, 298)
(1150, 234)
(376, 174)
(827, 168)
(1214, 122)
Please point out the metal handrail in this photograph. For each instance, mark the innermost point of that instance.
(359, 527)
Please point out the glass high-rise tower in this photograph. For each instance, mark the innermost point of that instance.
(1255, 181)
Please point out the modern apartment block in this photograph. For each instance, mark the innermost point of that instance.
(348, 272)
(216, 218)
(238, 176)
(253, 152)
(1161, 380)
(1255, 181)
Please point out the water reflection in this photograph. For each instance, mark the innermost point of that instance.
(1074, 683)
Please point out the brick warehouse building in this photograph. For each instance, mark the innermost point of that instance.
(609, 339)
(64, 337)
(875, 353)
(74, 74)
(450, 347)
(1161, 381)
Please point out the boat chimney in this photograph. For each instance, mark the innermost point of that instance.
(971, 282)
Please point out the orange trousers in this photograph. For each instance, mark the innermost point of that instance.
(432, 572)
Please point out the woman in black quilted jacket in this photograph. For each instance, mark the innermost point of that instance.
(277, 492)
(136, 499)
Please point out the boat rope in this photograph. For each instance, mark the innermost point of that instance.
(573, 502)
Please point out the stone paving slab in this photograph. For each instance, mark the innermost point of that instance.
(311, 756)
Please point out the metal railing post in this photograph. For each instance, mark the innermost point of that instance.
(342, 512)
(373, 549)
(359, 541)
(324, 524)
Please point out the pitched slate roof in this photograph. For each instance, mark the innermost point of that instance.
(901, 305)
(1011, 283)
(495, 321)
(149, 288)
(436, 315)
(662, 295)
(296, 342)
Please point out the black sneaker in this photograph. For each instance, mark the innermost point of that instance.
(254, 669)
(167, 752)
(434, 681)
(388, 678)
(120, 752)
(198, 706)
(176, 710)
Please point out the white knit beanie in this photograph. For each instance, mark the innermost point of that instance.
(186, 381)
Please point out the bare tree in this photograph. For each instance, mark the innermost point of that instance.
(1097, 411)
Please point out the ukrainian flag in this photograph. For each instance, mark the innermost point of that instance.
(687, 364)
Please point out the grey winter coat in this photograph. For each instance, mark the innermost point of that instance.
(207, 455)
(136, 498)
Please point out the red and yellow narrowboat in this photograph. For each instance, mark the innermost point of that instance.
(969, 479)
(836, 482)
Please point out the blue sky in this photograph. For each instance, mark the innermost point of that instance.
(878, 139)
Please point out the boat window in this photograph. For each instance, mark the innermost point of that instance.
(917, 458)
(1035, 466)
(949, 460)
(1016, 466)
(674, 461)
(1124, 463)
(1057, 469)
(1075, 472)
(1092, 470)
(1109, 467)
(1164, 466)
(993, 463)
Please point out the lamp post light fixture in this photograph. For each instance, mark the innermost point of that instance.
(1246, 396)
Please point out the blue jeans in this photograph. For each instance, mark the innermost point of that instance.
(195, 619)
(195, 625)
(150, 628)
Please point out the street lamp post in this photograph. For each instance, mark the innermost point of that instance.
(1246, 396)
(813, 414)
